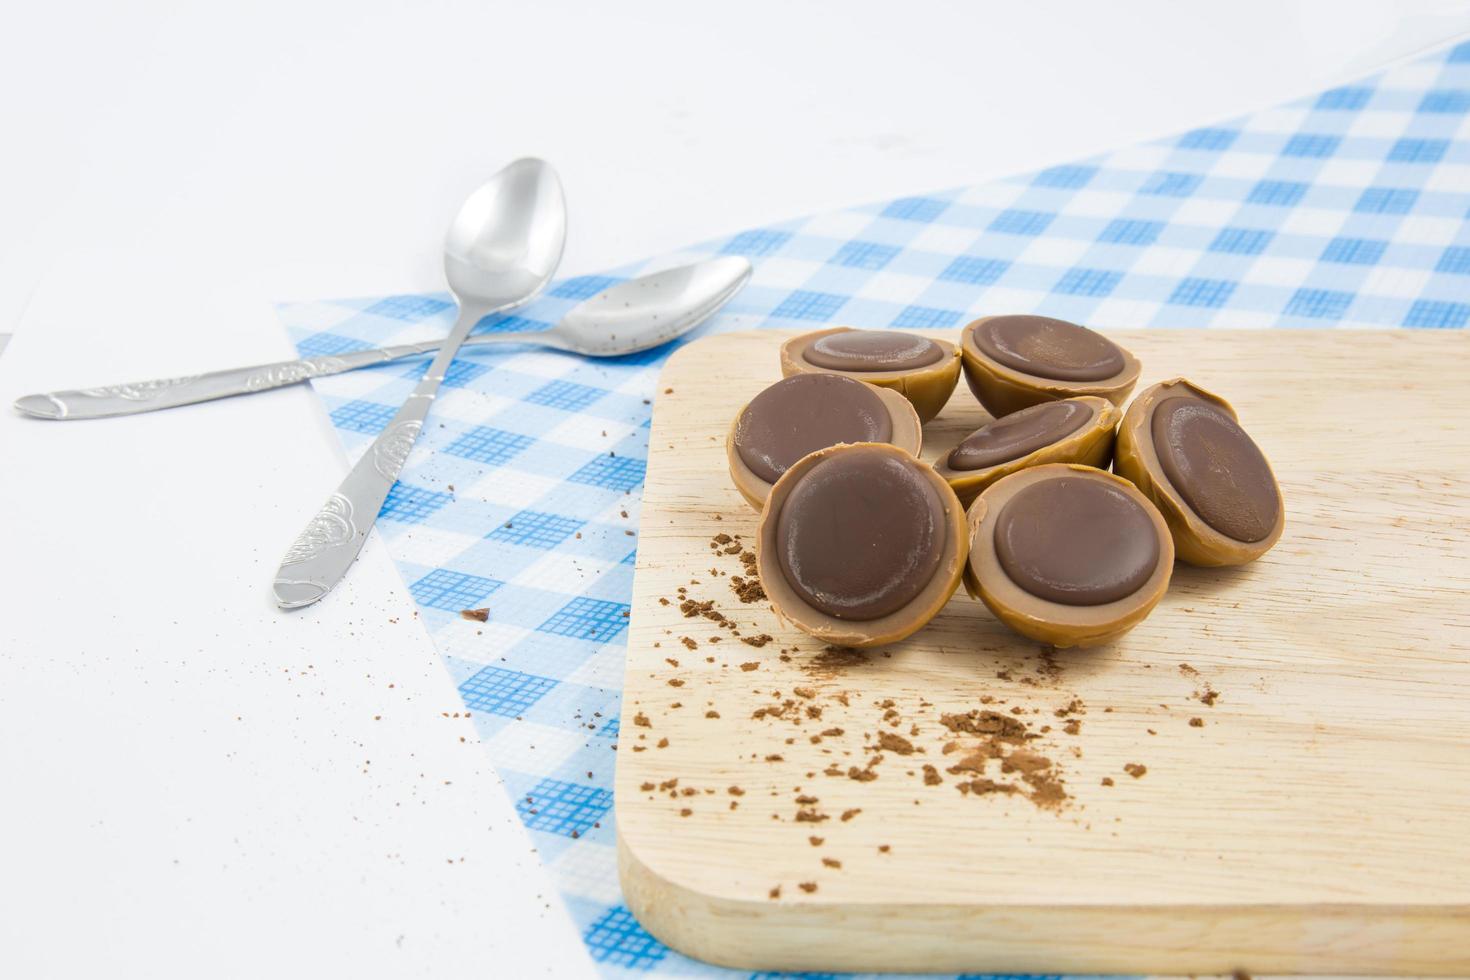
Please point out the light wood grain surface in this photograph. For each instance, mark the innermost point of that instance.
(1316, 818)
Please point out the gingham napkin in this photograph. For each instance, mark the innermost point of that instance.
(1346, 209)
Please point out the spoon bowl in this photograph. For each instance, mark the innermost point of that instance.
(507, 238)
(641, 313)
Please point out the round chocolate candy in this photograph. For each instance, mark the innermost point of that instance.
(1015, 361)
(923, 370)
(1076, 541)
(873, 350)
(1068, 555)
(1184, 448)
(860, 544)
(1076, 430)
(860, 536)
(807, 412)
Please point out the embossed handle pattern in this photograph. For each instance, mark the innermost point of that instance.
(149, 396)
(330, 542)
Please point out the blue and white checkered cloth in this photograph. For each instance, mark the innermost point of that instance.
(1347, 209)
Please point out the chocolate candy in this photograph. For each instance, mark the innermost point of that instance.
(1076, 430)
(873, 350)
(923, 370)
(1076, 541)
(860, 544)
(1012, 362)
(860, 537)
(807, 412)
(1184, 448)
(1067, 554)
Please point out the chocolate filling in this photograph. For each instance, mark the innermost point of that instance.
(873, 350)
(1048, 348)
(1076, 541)
(860, 535)
(1218, 470)
(1019, 434)
(804, 413)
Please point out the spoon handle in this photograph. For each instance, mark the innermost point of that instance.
(330, 542)
(150, 396)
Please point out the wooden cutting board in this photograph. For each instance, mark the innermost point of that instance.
(1304, 721)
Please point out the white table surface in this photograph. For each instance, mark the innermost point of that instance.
(185, 771)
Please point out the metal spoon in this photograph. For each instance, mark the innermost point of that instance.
(501, 250)
(632, 316)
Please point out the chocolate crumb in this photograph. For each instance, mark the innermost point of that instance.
(478, 615)
(641, 720)
(750, 665)
(663, 743)
(757, 641)
(691, 644)
(931, 776)
(816, 841)
(1107, 780)
(895, 743)
(831, 862)
(985, 723)
(808, 886)
(774, 893)
(1196, 723)
(712, 714)
(747, 589)
(884, 848)
(849, 814)
(675, 682)
(1135, 769)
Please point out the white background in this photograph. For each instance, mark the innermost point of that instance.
(185, 771)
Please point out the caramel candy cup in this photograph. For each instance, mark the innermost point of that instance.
(1067, 555)
(896, 359)
(860, 569)
(1183, 447)
(1012, 362)
(807, 412)
(1075, 430)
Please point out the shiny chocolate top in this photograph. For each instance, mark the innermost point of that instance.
(1218, 470)
(804, 413)
(1048, 348)
(861, 535)
(873, 350)
(1076, 541)
(1019, 434)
